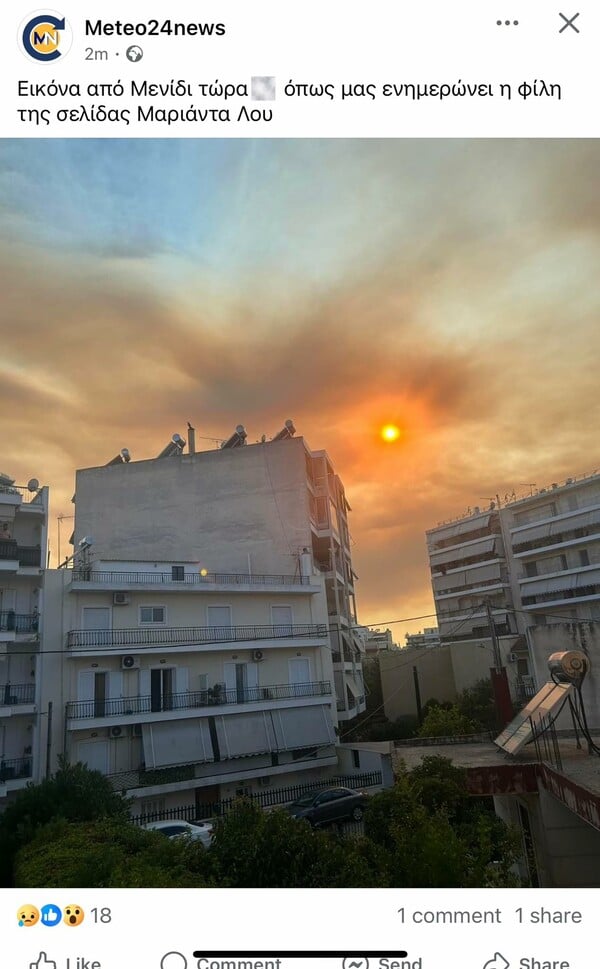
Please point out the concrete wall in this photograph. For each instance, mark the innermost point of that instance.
(558, 637)
(370, 757)
(213, 507)
(566, 849)
(191, 608)
(435, 673)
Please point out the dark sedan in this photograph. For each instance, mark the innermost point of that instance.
(326, 806)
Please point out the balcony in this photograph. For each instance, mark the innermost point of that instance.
(558, 542)
(559, 597)
(525, 688)
(16, 694)
(189, 635)
(15, 622)
(477, 632)
(216, 696)
(15, 769)
(23, 554)
(190, 580)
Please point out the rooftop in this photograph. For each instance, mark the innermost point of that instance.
(572, 775)
(498, 502)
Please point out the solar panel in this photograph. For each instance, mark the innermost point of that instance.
(544, 706)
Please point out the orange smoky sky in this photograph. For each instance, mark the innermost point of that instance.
(451, 288)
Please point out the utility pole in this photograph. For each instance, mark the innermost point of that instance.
(493, 636)
(502, 699)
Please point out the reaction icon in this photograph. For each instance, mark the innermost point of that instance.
(74, 915)
(28, 915)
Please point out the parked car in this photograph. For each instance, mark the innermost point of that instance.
(332, 804)
(180, 829)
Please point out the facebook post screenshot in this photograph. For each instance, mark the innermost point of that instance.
(300, 498)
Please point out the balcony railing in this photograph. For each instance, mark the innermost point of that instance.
(188, 578)
(216, 696)
(592, 532)
(25, 555)
(12, 694)
(559, 595)
(525, 689)
(478, 632)
(190, 635)
(27, 497)
(16, 768)
(19, 623)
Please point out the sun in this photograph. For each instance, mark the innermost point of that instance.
(390, 433)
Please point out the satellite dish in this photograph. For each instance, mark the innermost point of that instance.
(33, 484)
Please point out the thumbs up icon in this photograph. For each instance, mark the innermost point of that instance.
(43, 963)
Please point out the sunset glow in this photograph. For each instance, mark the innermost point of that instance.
(417, 325)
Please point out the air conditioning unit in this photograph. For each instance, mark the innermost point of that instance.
(136, 730)
(130, 662)
(120, 599)
(257, 655)
(116, 732)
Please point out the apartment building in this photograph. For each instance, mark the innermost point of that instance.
(207, 622)
(552, 538)
(376, 640)
(536, 560)
(430, 636)
(23, 544)
(469, 569)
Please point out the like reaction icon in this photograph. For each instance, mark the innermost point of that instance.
(42, 962)
(51, 915)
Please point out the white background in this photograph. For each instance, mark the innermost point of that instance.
(148, 923)
(338, 41)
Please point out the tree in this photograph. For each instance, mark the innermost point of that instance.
(258, 849)
(477, 703)
(73, 793)
(446, 721)
(425, 832)
(109, 854)
(435, 835)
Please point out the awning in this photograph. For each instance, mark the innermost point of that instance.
(303, 727)
(561, 583)
(245, 734)
(355, 690)
(454, 626)
(566, 523)
(480, 546)
(462, 527)
(469, 577)
(176, 742)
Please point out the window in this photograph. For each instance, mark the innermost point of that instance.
(152, 614)
(304, 753)
(161, 690)
(281, 617)
(156, 806)
(96, 617)
(531, 569)
(584, 558)
(177, 573)
(356, 759)
(219, 620)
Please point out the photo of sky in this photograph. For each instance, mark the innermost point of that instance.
(451, 288)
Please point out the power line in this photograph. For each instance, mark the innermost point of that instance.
(331, 627)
